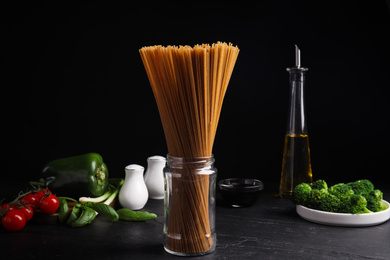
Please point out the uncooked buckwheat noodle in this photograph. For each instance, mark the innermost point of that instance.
(189, 85)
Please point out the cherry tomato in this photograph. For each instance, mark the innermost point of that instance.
(4, 206)
(42, 193)
(49, 204)
(27, 211)
(31, 200)
(14, 220)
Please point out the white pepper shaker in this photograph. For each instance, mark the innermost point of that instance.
(154, 176)
(133, 194)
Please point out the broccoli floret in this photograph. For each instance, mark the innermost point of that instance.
(332, 203)
(362, 187)
(322, 200)
(354, 197)
(341, 190)
(374, 201)
(357, 204)
(319, 185)
(301, 193)
(316, 198)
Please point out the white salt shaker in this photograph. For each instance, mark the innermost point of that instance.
(133, 194)
(154, 176)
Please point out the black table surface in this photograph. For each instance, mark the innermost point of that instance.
(270, 229)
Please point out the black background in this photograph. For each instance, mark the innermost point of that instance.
(73, 82)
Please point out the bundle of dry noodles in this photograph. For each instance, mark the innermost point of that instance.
(189, 85)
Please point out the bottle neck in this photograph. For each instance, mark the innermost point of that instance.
(296, 124)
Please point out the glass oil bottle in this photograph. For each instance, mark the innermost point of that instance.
(296, 165)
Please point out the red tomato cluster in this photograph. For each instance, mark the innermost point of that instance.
(15, 217)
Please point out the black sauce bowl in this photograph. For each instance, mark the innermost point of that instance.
(240, 192)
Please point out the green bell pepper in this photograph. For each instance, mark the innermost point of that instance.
(77, 176)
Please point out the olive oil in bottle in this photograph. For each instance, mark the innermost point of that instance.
(296, 165)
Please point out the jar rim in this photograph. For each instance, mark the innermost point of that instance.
(188, 160)
(184, 158)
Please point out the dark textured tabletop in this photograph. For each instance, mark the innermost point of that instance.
(271, 229)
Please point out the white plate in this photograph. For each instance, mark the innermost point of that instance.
(344, 219)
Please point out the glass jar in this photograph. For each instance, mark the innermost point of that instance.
(190, 185)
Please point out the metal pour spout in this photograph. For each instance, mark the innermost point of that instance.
(297, 57)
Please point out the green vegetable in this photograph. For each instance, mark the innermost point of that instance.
(354, 197)
(322, 200)
(301, 194)
(83, 175)
(331, 203)
(374, 201)
(103, 209)
(362, 187)
(319, 185)
(356, 204)
(84, 214)
(130, 215)
(74, 215)
(97, 199)
(109, 195)
(86, 217)
(63, 210)
(341, 190)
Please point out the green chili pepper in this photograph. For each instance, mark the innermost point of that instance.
(86, 217)
(77, 176)
(130, 215)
